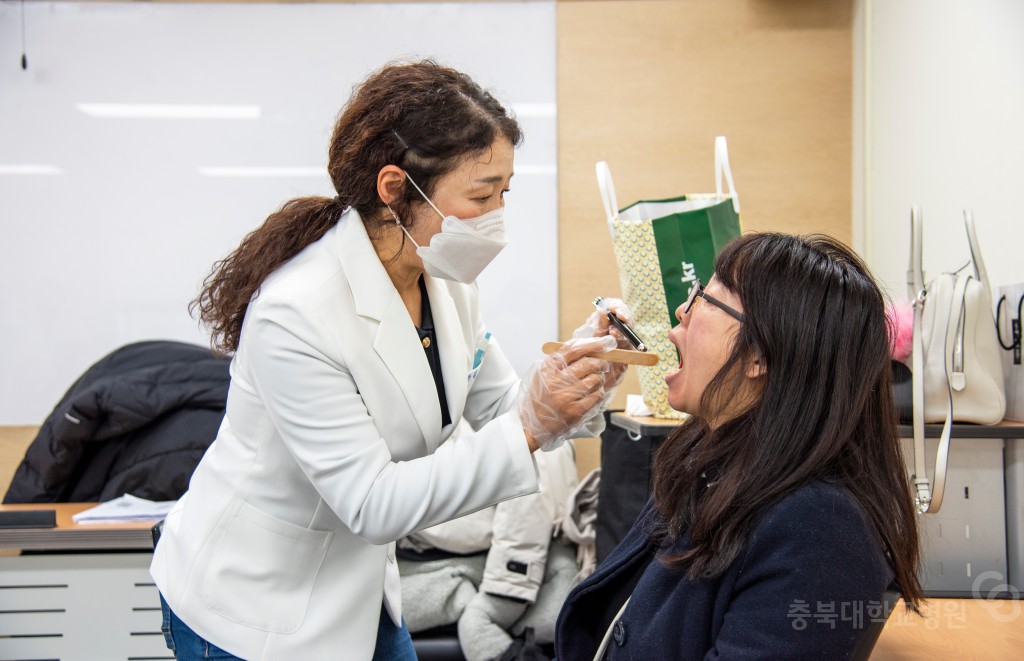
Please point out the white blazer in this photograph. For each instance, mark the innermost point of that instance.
(283, 546)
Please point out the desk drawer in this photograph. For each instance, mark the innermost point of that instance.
(79, 607)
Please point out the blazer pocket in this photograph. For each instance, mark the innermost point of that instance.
(262, 570)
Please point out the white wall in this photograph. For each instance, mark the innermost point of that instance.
(110, 248)
(944, 128)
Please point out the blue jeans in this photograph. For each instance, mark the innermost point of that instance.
(186, 644)
(393, 643)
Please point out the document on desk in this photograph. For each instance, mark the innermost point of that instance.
(126, 509)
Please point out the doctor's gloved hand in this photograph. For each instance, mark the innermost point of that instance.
(598, 325)
(563, 391)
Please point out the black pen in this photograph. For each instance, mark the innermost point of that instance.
(626, 331)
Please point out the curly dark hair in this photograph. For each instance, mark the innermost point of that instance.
(424, 117)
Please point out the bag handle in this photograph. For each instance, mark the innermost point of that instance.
(722, 168)
(607, 188)
(972, 239)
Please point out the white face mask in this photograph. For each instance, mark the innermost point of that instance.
(462, 248)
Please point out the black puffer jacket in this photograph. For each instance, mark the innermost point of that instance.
(138, 421)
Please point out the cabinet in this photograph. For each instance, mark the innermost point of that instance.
(79, 592)
(80, 607)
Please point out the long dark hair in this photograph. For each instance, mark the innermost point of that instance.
(816, 319)
(421, 116)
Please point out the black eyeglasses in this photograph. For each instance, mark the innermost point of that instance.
(698, 291)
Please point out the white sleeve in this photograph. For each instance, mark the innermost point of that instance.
(315, 406)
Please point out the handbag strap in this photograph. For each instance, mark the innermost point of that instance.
(922, 488)
(915, 286)
(929, 500)
(942, 456)
(607, 188)
(972, 239)
(915, 272)
(722, 169)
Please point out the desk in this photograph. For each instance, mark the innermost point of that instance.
(93, 600)
(975, 543)
(71, 536)
(643, 425)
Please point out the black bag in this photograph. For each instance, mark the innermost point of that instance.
(625, 485)
(902, 392)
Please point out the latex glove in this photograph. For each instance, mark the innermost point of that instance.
(484, 625)
(561, 392)
(598, 325)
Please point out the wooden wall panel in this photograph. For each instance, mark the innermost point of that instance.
(14, 442)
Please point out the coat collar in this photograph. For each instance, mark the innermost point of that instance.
(396, 341)
(372, 289)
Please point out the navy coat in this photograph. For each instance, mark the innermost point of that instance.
(806, 584)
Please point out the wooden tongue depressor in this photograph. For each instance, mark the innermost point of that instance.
(628, 357)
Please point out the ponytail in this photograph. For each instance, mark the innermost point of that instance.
(236, 279)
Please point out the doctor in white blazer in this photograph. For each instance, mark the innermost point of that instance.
(331, 446)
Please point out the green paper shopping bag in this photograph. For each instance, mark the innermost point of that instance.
(661, 248)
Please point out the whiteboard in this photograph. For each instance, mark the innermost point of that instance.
(109, 225)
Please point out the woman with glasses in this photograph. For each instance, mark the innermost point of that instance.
(781, 509)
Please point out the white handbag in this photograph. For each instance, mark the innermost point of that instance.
(956, 367)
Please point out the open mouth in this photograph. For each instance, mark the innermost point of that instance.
(678, 368)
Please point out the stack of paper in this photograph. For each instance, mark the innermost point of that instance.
(635, 406)
(125, 509)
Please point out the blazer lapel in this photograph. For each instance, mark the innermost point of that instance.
(398, 346)
(452, 345)
(396, 342)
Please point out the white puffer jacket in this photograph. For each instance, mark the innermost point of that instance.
(517, 532)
